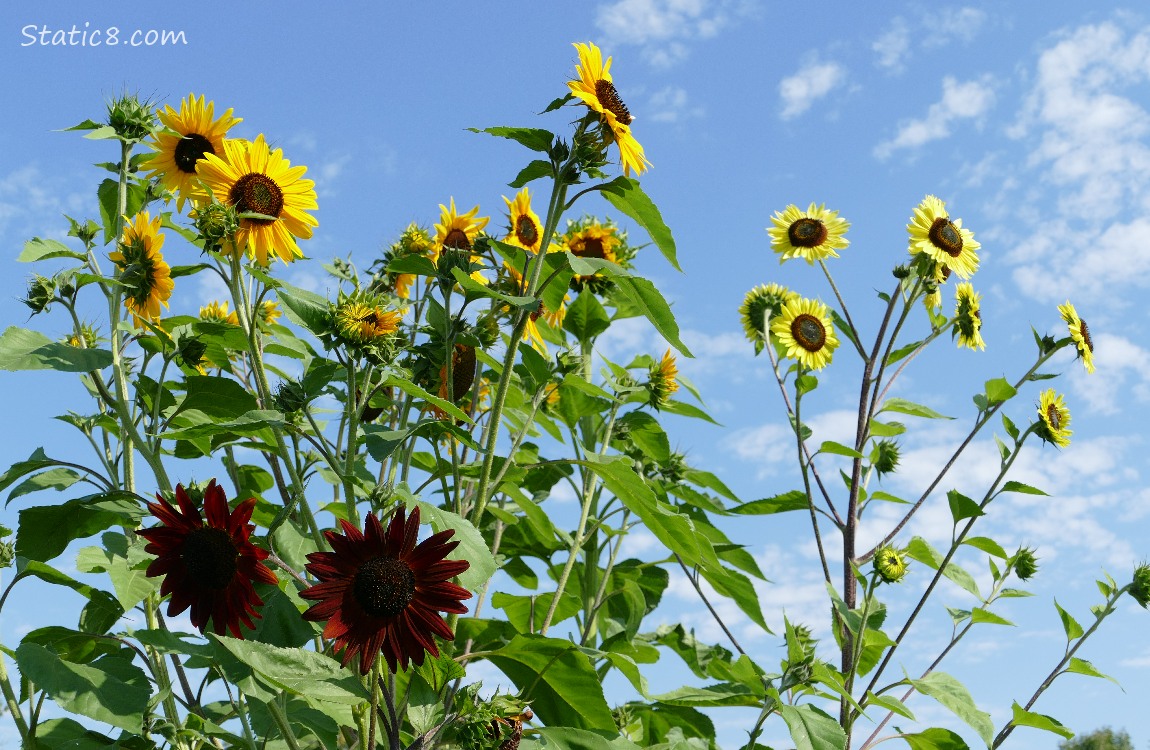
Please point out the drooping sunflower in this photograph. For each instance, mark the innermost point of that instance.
(380, 591)
(147, 279)
(1080, 334)
(812, 235)
(804, 329)
(209, 567)
(596, 89)
(662, 380)
(251, 178)
(526, 231)
(217, 312)
(968, 317)
(942, 239)
(195, 132)
(1054, 419)
(760, 305)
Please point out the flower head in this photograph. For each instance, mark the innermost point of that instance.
(596, 89)
(662, 380)
(147, 279)
(462, 377)
(1140, 586)
(759, 307)
(360, 320)
(269, 311)
(526, 231)
(217, 312)
(890, 563)
(251, 178)
(457, 231)
(1054, 419)
(804, 329)
(942, 239)
(1025, 563)
(191, 134)
(967, 317)
(1080, 334)
(209, 567)
(812, 235)
(380, 591)
(592, 240)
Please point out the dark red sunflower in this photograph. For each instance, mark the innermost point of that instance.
(209, 568)
(380, 591)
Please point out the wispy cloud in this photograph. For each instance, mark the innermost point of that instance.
(812, 82)
(672, 104)
(950, 24)
(930, 30)
(892, 47)
(665, 29)
(969, 100)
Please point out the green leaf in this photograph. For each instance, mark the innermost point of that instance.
(305, 308)
(737, 587)
(788, 501)
(962, 507)
(316, 677)
(812, 729)
(471, 545)
(586, 318)
(978, 614)
(890, 703)
(46, 530)
(999, 390)
(532, 171)
(124, 565)
(626, 195)
(526, 613)
(45, 572)
(535, 139)
(1009, 426)
(683, 409)
(412, 389)
(987, 545)
(1081, 666)
(935, 738)
(1069, 624)
(249, 425)
(41, 249)
(1024, 718)
(71, 734)
(838, 449)
(85, 689)
(648, 435)
(721, 694)
(420, 265)
(22, 349)
(53, 479)
(919, 549)
(1025, 489)
(701, 658)
(567, 738)
(109, 196)
(644, 296)
(953, 695)
(902, 406)
(557, 679)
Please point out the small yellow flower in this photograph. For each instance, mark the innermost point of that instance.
(147, 279)
(361, 322)
(662, 380)
(944, 241)
(595, 87)
(1080, 334)
(812, 235)
(968, 317)
(804, 329)
(1054, 424)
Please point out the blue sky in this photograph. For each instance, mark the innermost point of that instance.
(1031, 120)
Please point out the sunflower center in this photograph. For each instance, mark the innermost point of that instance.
(457, 240)
(592, 247)
(210, 557)
(384, 586)
(191, 148)
(609, 99)
(257, 193)
(1054, 417)
(945, 236)
(1086, 335)
(526, 231)
(807, 232)
(809, 332)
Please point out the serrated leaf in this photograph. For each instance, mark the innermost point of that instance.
(1025, 489)
(1081, 666)
(532, 171)
(1024, 718)
(978, 614)
(85, 689)
(987, 545)
(999, 390)
(1069, 624)
(39, 248)
(838, 449)
(788, 501)
(919, 549)
(890, 703)
(935, 738)
(954, 696)
(812, 729)
(627, 195)
(902, 406)
(471, 547)
(23, 349)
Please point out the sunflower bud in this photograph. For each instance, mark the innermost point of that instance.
(1140, 587)
(7, 549)
(190, 351)
(85, 232)
(131, 118)
(448, 260)
(1025, 563)
(83, 338)
(290, 397)
(662, 381)
(487, 329)
(885, 456)
(214, 222)
(890, 563)
(901, 271)
(41, 293)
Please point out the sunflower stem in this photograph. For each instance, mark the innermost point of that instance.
(13, 704)
(373, 717)
(281, 720)
(350, 454)
(160, 669)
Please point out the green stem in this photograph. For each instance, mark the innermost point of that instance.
(281, 720)
(13, 704)
(160, 669)
(353, 405)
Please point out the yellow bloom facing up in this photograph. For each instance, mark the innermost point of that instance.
(812, 235)
(254, 179)
(1080, 334)
(968, 317)
(526, 231)
(361, 323)
(195, 133)
(595, 88)
(663, 380)
(1054, 419)
(217, 312)
(455, 230)
(943, 240)
(760, 305)
(147, 279)
(805, 331)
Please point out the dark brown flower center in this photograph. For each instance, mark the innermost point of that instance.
(210, 557)
(526, 231)
(457, 240)
(191, 148)
(809, 332)
(1086, 335)
(807, 232)
(258, 194)
(591, 247)
(384, 586)
(609, 99)
(945, 236)
(1054, 417)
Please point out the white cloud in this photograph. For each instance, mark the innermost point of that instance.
(1121, 366)
(893, 46)
(969, 100)
(671, 105)
(812, 82)
(950, 24)
(663, 28)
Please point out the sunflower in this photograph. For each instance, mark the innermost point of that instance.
(1080, 334)
(760, 305)
(813, 234)
(944, 241)
(360, 320)
(195, 134)
(526, 231)
(270, 312)
(217, 312)
(663, 380)
(890, 563)
(967, 317)
(594, 240)
(804, 330)
(457, 231)
(596, 89)
(415, 240)
(147, 279)
(211, 567)
(251, 178)
(1054, 417)
(380, 591)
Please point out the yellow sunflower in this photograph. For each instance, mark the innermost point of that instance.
(968, 317)
(217, 312)
(194, 133)
(254, 179)
(812, 235)
(360, 322)
(270, 312)
(596, 89)
(592, 241)
(458, 232)
(1080, 334)
(1054, 424)
(663, 380)
(760, 305)
(804, 329)
(147, 279)
(943, 240)
(526, 230)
